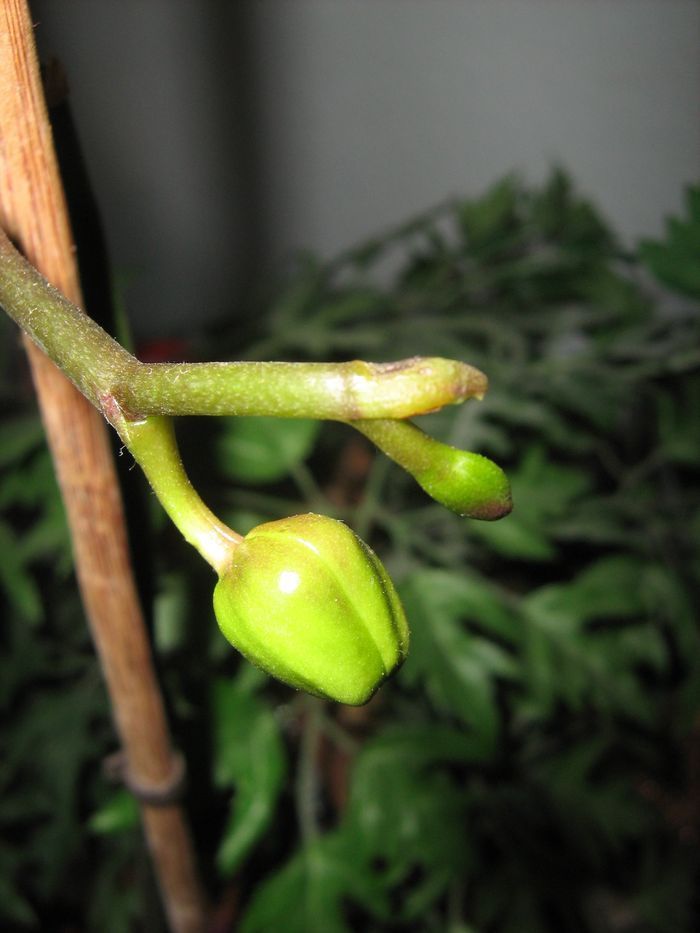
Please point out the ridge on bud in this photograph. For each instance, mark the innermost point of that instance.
(309, 602)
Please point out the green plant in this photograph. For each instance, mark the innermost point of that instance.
(530, 768)
(303, 638)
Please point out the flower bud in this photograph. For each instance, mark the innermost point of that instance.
(307, 601)
(467, 483)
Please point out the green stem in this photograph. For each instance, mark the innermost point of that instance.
(101, 368)
(153, 445)
(78, 346)
(335, 391)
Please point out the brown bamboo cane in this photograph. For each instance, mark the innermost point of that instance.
(33, 211)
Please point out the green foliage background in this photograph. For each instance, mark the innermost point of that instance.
(534, 765)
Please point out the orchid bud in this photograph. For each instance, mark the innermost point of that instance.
(306, 600)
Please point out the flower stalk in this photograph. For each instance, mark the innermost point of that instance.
(138, 397)
(99, 367)
(153, 445)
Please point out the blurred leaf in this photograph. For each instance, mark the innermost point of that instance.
(491, 218)
(119, 900)
(409, 813)
(295, 300)
(169, 613)
(544, 420)
(310, 892)
(249, 756)
(515, 537)
(45, 752)
(665, 896)
(14, 908)
(121, 812)
(598, 812)
(569, 662)
(244, 520)
(18, 437)
(456, 668)
(17, 580)
(676, 259)
(30, 484)
(543, 490)
(611, 588)
(568, 220)
(584, 390)
(49, 537)
(679, 426)
(262, 450)
(350, 305)
(596, 520)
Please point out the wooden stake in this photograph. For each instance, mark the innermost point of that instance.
(33, 211)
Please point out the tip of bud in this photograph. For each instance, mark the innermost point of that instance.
(491, 511)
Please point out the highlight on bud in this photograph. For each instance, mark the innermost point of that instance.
(310, 603)
(467, 483)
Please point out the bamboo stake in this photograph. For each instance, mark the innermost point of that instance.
(33, 210)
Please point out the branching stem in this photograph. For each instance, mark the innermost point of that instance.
(100, 367)
(137, 398)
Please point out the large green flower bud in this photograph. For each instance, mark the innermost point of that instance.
(307, 601)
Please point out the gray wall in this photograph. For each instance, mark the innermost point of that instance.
(222, 135)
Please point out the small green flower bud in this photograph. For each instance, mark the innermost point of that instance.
(307, 601)
(467, 483)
